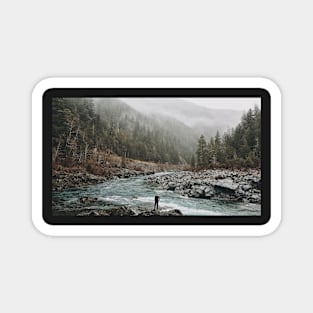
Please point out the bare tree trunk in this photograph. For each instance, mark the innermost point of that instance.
(68, 139)
(99, 158)
(77, 133)
(86, 151)
(70, 132)
(57, 151)
(75, 145)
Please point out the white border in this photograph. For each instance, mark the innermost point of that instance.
(156, 230)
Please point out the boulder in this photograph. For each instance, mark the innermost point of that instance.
(246, 187)
(171, 186)
(89, 213)
(208, 192)
(87, 200)
(173, 212)
(255, 198)
(226, 185)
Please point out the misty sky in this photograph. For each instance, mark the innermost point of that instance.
(202, 113)
(238, 104)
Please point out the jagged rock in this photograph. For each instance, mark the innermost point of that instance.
(255, 198)
(246, 187)
(171, 186)
(91, 213)
(208, 192)
(226, 184)
(174, 212)
(87, 200)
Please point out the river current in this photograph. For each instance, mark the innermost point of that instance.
(136, 191)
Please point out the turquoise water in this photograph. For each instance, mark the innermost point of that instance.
(136, 191)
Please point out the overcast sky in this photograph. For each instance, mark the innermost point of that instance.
(240, 104)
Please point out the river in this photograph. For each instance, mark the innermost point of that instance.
(136, 191)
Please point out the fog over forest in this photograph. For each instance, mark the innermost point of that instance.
(203, 115)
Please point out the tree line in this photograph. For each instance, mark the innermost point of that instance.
(239, 147)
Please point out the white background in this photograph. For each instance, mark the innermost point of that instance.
(161, 38)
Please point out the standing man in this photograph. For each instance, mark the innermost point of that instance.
(156, 202)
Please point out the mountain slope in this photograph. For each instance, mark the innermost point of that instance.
(146, 136)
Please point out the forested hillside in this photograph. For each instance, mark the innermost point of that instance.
(87, 128)
(240, 147)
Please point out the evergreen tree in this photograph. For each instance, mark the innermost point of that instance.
(218, 149)
(201, 152)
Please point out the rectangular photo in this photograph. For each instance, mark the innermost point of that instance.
(156, 156)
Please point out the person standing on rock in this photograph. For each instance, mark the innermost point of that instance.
(156, 202)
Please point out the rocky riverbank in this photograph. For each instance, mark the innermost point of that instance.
(219, 184)
(65, 179)
(116, 211)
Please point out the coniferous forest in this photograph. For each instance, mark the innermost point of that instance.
(239, 147)
(82, 128)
